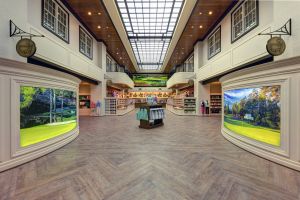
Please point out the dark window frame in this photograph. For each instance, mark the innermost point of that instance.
(212, 34)
(245, 31)
(92, 42)
(53, 32)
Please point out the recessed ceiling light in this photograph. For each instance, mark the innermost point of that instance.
(89, 13)
(117, 52)
(98, 27)
(99, 13)
(200, 13)
(210, 12)
(192, 26)
(200, 26)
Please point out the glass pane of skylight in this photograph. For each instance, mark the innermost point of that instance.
(150, 26)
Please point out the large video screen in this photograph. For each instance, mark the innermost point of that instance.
(46, 113)
(254, 113)
(150, 80)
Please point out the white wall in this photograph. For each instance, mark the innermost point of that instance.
(272, 15)
(27, 15)
(17, 12)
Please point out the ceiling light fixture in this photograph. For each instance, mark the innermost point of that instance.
(99, 13)
(98, 27)
(200, 26)
(89, 13)
(200, 13)
(210, 12)
(192, 26)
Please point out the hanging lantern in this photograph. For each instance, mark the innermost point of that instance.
(26, 47)
(275, 46)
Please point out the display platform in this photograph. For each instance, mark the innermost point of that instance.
(39, 111)
(261, 110)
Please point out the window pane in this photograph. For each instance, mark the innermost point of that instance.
(250, 14)
(244, 18)
(55, 18)
(238, 22)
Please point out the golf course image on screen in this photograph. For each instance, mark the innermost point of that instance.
(150, 80)
(254, 113)
(45, 113)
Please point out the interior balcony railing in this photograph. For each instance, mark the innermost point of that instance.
(185, 67)
(114, 67)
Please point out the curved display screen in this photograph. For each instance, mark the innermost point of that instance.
(46, 113)
(254, 113)
(150, 80)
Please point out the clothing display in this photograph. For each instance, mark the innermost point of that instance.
(142, 114)
(157, 113)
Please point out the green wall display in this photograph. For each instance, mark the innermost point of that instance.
(254, 113)
(150, 80)
(46, 113)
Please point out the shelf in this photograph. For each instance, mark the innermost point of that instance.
(215, 103)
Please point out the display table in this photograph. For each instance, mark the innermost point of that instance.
(261, 110)
(39, 111)
(152, 119)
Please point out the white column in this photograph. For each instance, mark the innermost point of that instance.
(198, 62)
(102, 85)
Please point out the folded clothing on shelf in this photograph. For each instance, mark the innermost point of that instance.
(142, 114)
(157, 113)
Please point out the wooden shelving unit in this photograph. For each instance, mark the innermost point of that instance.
(190, 105)
(84, 104)
(178, 103)
(121, 104)
(215, 103)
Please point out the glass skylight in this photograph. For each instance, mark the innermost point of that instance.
(150, 25)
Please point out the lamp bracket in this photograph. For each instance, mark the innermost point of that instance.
(15, 31)
(286, 29)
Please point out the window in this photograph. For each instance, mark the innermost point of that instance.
(214, 43)
(55, 19)
(85, 43)
(150, 25)
(244, 18)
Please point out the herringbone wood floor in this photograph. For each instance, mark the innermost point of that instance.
(115, 160)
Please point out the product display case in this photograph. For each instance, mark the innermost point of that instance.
(151, 116)
(190, 105)
(110, 106)
(178, 103)
(215, 103)
(121, 104)
(182, 106)
(118, 106)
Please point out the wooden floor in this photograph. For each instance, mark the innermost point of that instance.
(115, 160)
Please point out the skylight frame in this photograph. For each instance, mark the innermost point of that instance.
(150, 36)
